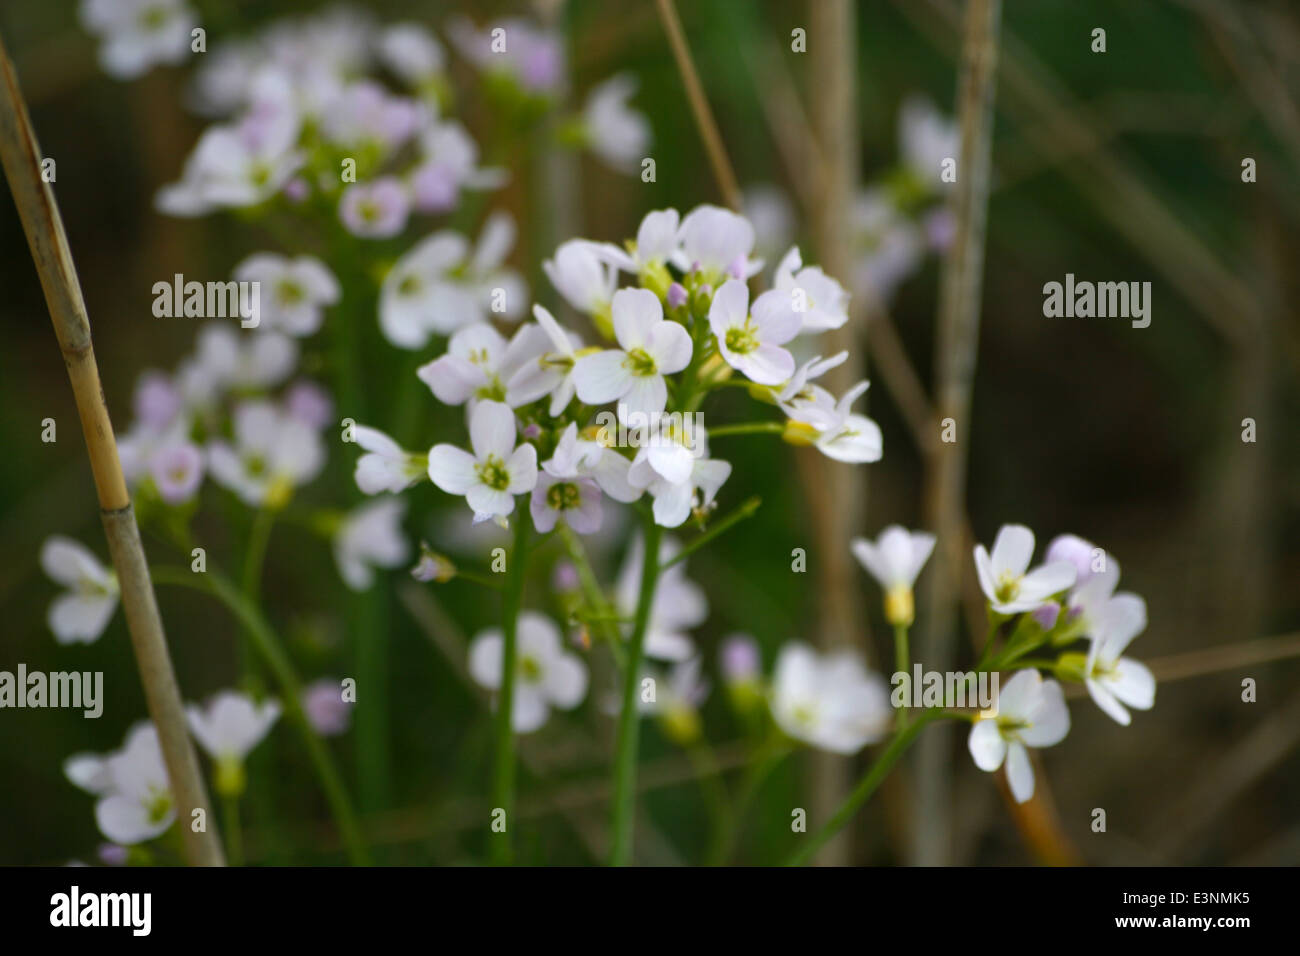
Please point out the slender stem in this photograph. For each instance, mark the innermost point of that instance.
(748, 428)
(865, 788)
(234, 838)
(764, 762)
(722, 170)
(21, 158)
(709, 776)
(503, 778)
(902, 662)
(268, 644)
(480, 579)
(629, 719)
(719, 527)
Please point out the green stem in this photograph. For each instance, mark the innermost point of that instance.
(629, 718)
(234, 839)
(719, 527)
(865, 788)
(765, 761)
(902, 663)
(709, 776)
(592, 592)
(748, 428)
(269, 646)
(503, 777)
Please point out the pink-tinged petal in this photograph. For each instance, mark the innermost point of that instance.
(636, 313)
(775, 318)
(1013, 549)
(669, 344)
(586, 518)
(602, 377)
(492, 430)
(1042, 583)
(544, 516)
(452, 469)
(987, 748)
(766, 365)
(1020, 772)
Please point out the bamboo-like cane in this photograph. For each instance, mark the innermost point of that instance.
(956, 347)
(44, 228)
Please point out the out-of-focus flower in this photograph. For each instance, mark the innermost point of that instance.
(495, 472)
(677, 699)
(717, 243)
(411, 52)
(616, 133)
(228, 359)
(926, 137)
(370, 537)
(136, 804)
(888, 247)
(514, 49)
(1005, 577)
(327, 712)
(479, 362)
(309, 403)
(829, 701)
(772, 215)
(580, 272)
(679, 603)
(375, 210)
(294, 292)
(819, 301)
(81, 614)
(895, 560)
(177, 472)
(137, 34)
(228, 729)
(546, 675)
(273, 454)
(449, 164)
(365, 115)
(1031, 712)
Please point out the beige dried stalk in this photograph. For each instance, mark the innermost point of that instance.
(44, 228)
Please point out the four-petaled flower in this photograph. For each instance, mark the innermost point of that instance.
(1031, 712)
(496, 471)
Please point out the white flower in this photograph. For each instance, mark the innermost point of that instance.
(479, 362)
(797, 397)
(136, 804)
(676, 701)
(449, 164)
(273, 454)
(496, 471)
(656, 243)
(838, 433)
(652, 347)
(927, 137)
(894, 560)
(440, 285)
(567, 488)
(673, 479)
(293, 292)
(532, 57)
(370, 537)
(237, 165)
(679, 604)
(549, 373)
(546, 675)
(751, 344)
(377, 209)
(830, 701)
(1003, 576)
(231, 725)
(618, 135)
(225, 359)
(1113, 680)
(716, 242)
(820, 302)
(139, 33)
(579, 271)
(81, 614)
(410, 51)
(1031, 713)
(386, 466)
(89, 772)
(590, 458)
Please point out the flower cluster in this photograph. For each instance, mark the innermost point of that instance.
(534, 402)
